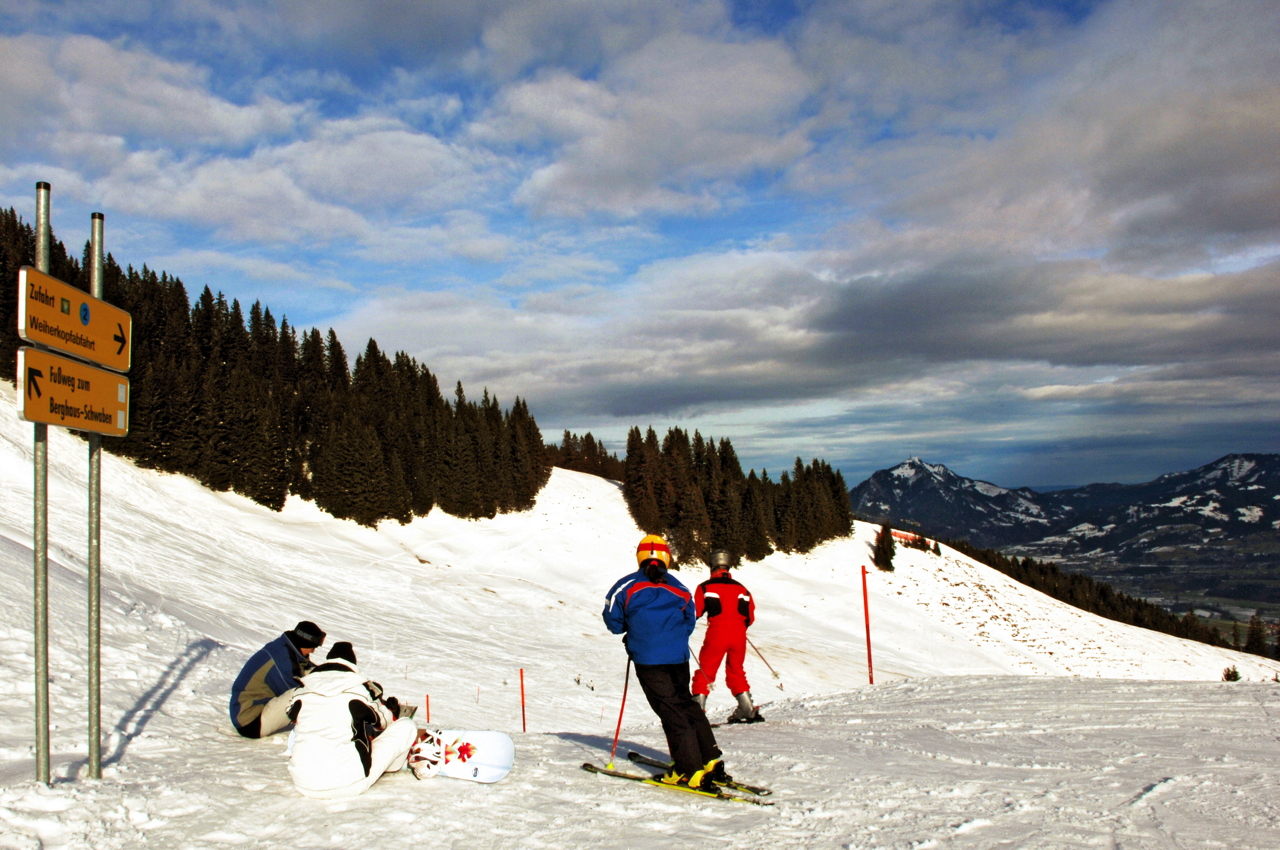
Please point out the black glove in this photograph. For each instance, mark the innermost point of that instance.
(375, 690)
(393, 704)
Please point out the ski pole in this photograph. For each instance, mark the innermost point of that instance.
(618, 733)
(698, 663)
(766, 663)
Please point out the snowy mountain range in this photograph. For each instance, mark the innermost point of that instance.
(998, 717)
(1226, 513)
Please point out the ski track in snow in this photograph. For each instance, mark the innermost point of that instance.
(999, 717)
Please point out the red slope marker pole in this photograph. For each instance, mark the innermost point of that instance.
(428, 701)
(618, 733)
(866, 610)
(524, 723)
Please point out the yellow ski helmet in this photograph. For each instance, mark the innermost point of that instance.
(653, 548)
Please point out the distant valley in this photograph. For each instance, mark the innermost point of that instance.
(1207, 538)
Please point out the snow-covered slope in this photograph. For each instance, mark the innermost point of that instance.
(981, 683)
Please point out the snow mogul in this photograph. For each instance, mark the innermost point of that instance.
(655, 614)
(345, 735)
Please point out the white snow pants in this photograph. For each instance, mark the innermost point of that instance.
(275, 714)
(389, 753)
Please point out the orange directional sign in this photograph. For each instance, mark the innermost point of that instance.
(57, 390)
(57, 315)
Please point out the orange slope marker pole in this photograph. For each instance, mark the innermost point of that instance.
(866, 611)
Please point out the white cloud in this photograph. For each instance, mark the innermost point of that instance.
(243, 200)
(376, 163)
(86, 85)
(1153, 150)
(28, 89)
(935, 216)
(669, 128)
(146, 136)
(462, 234)
(557, 268)
(193, 262)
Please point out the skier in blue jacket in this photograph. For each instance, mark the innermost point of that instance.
(655, 614)
(260, 695)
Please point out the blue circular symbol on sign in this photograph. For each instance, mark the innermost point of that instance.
(84, 314)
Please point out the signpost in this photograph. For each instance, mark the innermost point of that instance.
(57, 390)
(61, 317)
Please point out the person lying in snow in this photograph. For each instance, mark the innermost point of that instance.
(345, 735)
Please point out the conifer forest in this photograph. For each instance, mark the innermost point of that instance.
(255, 406)
(246, 404)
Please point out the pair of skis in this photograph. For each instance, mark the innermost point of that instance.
(739, 792)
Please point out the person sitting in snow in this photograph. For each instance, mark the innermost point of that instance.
(655, 613)
(260, 695)
(345, 736)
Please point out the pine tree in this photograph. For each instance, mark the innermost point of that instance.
(529, 466)
(214, 461)
(350, 476)
(1255, 641)
(784, 518)
(460, 491)
(690, 537)
(882, 555)
(398, 501)
(755, 523)
(337, 370)
(17, 249)
(639, 486)
(727, 521)
(265, 468)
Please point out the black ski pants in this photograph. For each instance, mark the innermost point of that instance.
(689, 737)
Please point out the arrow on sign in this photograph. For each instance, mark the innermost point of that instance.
(120, 338)
(32, 383)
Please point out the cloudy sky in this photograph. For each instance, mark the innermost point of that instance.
(1036, 241)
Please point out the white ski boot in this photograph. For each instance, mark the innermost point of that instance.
(746, 712)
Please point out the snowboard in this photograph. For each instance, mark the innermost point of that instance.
(477, 756)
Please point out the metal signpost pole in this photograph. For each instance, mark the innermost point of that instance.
(74, 393)
(96, 287)
(40, 542)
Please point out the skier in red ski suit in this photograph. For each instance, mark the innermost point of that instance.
(730, 612)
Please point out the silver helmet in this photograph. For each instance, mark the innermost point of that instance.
(721, 558)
